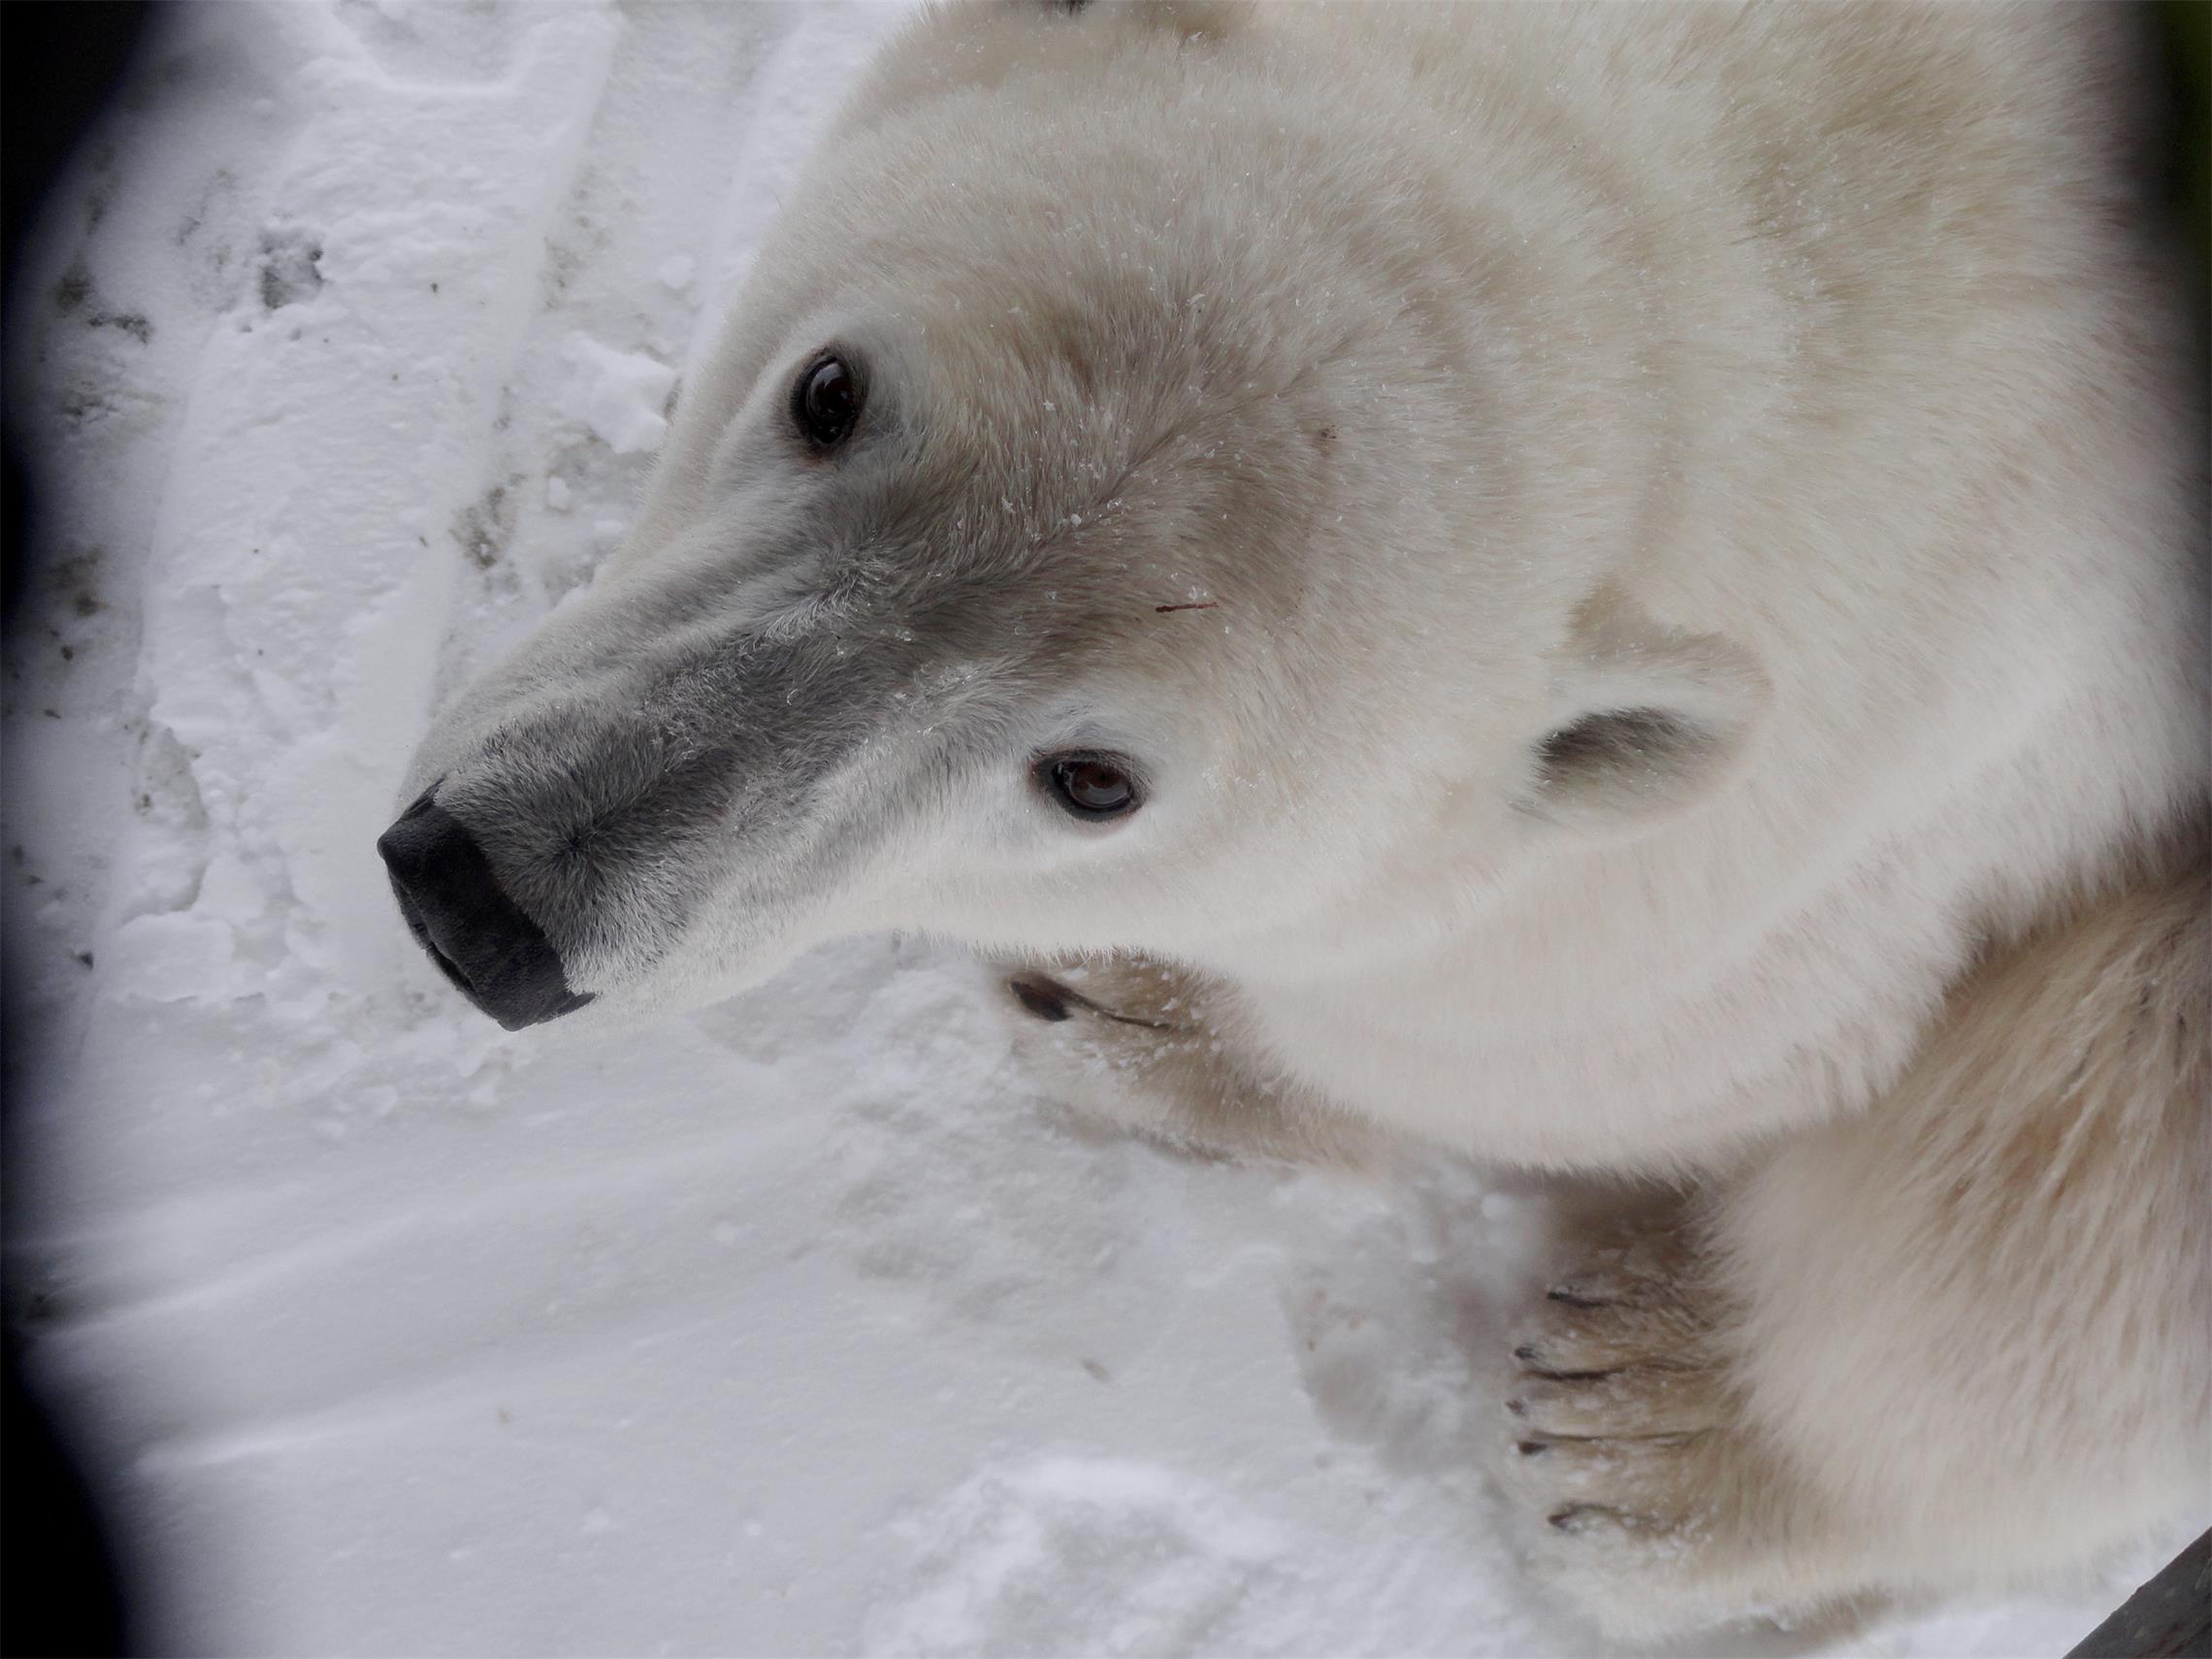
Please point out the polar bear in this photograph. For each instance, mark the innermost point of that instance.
(1622, 591)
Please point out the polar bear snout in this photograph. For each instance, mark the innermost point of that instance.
(457, 910)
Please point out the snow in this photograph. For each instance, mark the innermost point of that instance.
(617, 396)
(799, 1324)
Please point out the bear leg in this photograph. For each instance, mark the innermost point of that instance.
(1960, 1339)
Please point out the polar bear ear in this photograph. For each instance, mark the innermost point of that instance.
(1647, 721)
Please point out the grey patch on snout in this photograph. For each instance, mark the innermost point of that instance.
(717, 735)
(613, 820)
(603, 843)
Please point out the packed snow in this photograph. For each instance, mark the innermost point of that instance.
(798, 1325)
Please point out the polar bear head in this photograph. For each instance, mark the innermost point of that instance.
(1127, 510)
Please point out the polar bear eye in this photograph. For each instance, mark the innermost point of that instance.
(1087, 785)
(826, 401)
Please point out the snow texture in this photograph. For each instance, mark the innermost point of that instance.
(798, 1325)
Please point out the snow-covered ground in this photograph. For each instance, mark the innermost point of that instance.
(798, 1325)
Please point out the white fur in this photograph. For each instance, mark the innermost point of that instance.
(1797, 380)
(1805, 331)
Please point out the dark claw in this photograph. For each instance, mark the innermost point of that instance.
(1580, 1517)
(1529, 1355)
(1567, 1296)
(1041, 997)
(1533, 1447)
(1518, 1408)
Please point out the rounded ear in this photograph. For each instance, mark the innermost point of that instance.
(1645, 721)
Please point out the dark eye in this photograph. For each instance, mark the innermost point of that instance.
(1089, 785)
(826, 401)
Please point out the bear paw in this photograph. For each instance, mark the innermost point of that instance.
(1137, 1044)
(1639, 1495)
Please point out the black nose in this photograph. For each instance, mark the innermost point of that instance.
(458, 912)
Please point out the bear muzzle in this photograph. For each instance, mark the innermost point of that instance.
(481, 940)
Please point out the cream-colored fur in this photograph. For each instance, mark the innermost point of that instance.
(1652, 561)
(1964, 1337)
(1959, 1329)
